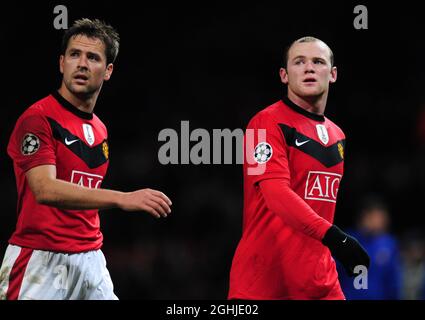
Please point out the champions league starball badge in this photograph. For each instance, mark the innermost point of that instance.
(30, 144)
(263, 152)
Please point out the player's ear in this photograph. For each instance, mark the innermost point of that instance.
(61, 59)
(283, 75)
(108, 72)
(333, 75)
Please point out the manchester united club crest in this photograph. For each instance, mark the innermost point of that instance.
(263, 152)
(30, 144)
(341, 150)
(105, 149)
(322, 133)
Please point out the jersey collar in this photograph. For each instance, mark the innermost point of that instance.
(302, 111)
(71, 108)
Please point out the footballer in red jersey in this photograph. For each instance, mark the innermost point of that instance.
(53, 132)
(60, 153)
(292, 175)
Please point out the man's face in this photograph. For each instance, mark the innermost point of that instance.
(309, 69)
(375, 221)
(84, 65)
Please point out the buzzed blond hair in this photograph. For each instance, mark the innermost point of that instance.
(304, 40)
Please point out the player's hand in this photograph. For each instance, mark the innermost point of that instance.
(346, 249)
(154, 202)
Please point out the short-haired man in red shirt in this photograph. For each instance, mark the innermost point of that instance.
(288, 233)
(60, 152)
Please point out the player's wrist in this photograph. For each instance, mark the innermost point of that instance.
(118, 199)
(333, 236)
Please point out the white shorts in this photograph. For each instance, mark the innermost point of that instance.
(28, 274)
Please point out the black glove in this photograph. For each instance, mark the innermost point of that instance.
(346, 249)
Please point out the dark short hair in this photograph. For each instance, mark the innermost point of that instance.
(303, 40)
(372, 202)
(95, 29)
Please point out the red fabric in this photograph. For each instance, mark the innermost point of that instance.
(283, 201)
(289, 203)
(44, 227)
(17, 274)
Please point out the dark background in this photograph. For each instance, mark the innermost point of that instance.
(216, 65)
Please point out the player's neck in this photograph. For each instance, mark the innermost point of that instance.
(315, 105)
(82, 104)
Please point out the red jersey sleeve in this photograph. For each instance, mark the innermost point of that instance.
(267, 165)
(265, 151)
(32, 143)
(293, 210)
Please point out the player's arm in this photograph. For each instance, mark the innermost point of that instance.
(275, 187)
(274, 180)
(51, 191)
(284, 202)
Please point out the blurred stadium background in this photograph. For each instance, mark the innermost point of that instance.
(216, 66)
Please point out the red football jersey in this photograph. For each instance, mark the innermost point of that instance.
(53, 131)
(273, 259)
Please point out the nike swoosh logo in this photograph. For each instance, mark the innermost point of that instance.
(68, 142)
(299, 144)
(345, 240)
